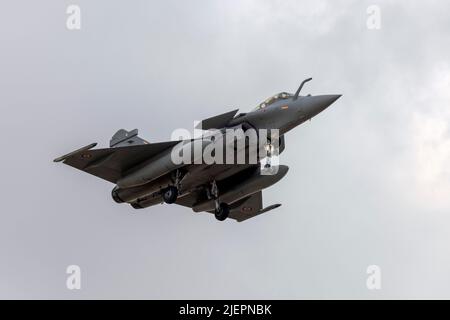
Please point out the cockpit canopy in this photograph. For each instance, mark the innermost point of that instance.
(275, 98)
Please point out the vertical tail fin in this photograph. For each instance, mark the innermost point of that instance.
(123, 138)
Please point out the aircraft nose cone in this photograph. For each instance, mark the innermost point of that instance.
(320, 103)
(325, 101)
(333, 97)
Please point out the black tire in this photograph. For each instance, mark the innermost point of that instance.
(223, 211)
(170, 194)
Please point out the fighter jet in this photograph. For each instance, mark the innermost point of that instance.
(145, 174)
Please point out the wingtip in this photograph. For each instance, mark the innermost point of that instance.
(64, 157)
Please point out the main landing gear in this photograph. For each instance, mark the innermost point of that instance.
(170, 194)
(222, 209)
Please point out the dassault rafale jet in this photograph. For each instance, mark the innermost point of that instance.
(146, 174)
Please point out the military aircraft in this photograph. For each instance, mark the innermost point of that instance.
(145, 174)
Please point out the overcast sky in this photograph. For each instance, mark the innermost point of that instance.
(369, 179)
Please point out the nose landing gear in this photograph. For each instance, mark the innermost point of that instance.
(222, 209)
(269, 150)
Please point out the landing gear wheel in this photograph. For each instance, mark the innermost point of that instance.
(221, 213)
(170, 194)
